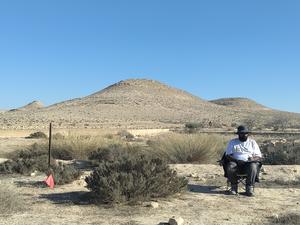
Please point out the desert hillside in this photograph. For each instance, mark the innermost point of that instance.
(240, 103)
(30, 107)
(141, 103)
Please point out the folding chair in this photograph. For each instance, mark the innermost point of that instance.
(241, 180)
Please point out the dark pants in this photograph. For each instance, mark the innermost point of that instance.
(235, 168)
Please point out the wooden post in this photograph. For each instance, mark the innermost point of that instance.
(50, 138)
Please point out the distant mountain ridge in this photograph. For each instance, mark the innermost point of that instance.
(141, 103)
(244, 103)
(31, 106)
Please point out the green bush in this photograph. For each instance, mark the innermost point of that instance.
(132, 178)
(38, 134)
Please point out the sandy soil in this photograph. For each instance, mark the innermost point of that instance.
(205, 201)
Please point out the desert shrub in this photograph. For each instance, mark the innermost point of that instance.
(109, 136)
(77, 146)
(125, 134)
(64, 174)
(10, 200)
(188, 148)
(289, 182)
(80, 147)
(192, 125)
(289, 219)
(26, 161)
(281, 154)
(64, 154)
(113, 152)
(38, 134)
(132, 178)
(57, 136)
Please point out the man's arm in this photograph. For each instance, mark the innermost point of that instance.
(256, 156)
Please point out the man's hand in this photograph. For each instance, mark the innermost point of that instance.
(254, 158)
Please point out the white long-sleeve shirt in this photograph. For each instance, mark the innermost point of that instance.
(243, 150)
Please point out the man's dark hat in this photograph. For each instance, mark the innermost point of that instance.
(242, 130)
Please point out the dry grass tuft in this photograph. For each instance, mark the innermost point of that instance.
(188, 148)
(10, 200)
(78, 146)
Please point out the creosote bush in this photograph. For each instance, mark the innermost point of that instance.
(133, 177)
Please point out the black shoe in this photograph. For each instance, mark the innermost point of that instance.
(250, 191)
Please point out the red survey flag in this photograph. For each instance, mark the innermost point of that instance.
(50, 181)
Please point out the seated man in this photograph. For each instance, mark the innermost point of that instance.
(243, 156)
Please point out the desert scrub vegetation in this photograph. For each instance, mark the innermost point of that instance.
(77, 146)
(124, 134)
(188, 148)
(288, 219)
(27, 161)
(10, 200)
(64, 174)
(281, 154)
(114, 152)
(132, 178)
(38, 134)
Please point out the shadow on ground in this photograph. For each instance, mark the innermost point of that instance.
(31, 184)
(76, 197)
(205, 189)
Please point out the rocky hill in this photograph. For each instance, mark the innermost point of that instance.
(30, 107)
(140, 103)
(240, 103)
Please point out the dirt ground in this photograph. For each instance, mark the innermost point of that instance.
(205, 201)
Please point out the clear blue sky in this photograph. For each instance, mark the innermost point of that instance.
(62, 49)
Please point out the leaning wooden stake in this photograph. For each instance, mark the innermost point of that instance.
(50, 138)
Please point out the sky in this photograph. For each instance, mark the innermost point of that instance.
(56, 50)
